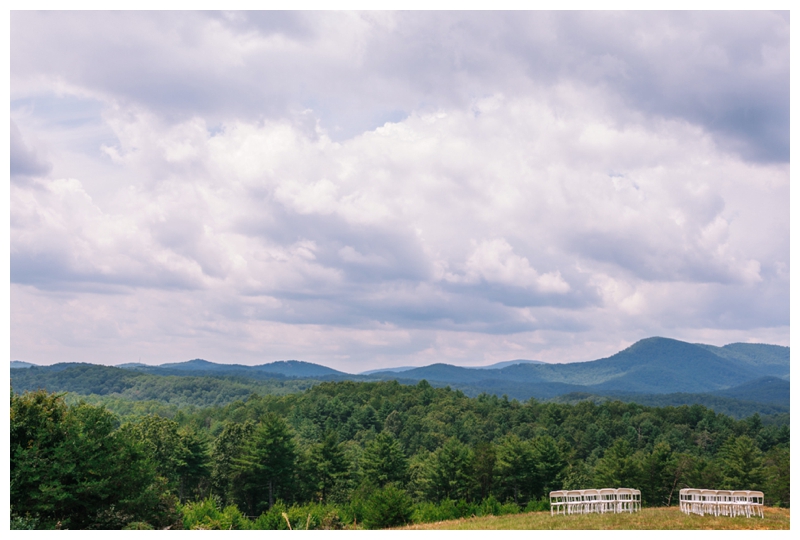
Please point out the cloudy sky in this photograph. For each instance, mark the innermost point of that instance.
(364, 190)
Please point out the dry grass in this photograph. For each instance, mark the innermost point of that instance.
(648, 519)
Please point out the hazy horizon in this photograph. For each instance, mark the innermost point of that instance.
(397, 368)
(373, 189)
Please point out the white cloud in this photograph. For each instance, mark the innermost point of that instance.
(525, 216)
(495, 262)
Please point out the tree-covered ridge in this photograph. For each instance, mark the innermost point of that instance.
(377, 454)
(770, 360)
(282, 368)
(764, 390)
(770, 406)
(180, 390)
(653, 371)
(653, 365)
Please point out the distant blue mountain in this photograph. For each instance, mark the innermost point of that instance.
(296, 368)
(756, 373)
(653, 366)
(764, 390)
(199, 364)
(17, 364)
(501, 365)
(399, 369)
(498, 365)
(285, 368)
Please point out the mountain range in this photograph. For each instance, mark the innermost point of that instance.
(652, 366)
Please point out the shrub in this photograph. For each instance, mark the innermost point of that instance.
(272, 519)
(307, 516)
(387, 507)
(542, 505)
(427, 512)
(489, 507)
(205, 515)
(508, 508)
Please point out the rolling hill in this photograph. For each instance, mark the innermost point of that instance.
(182, 390)
(285, 368)
(653, 366)
(753, 373)
(767, 396)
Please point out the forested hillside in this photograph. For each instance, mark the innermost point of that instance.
(651, 366)
(655, 371)
(283, 368)
(179, 390)
(350, 454)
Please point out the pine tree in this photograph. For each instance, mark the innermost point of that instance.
(517, 468)
(450, 472)
(549, 465)
(328, 464)
(227, 449)
(618, 467)
(383, 461)
(742, 464)
(267, 463)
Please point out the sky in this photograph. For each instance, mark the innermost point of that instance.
(374, 189)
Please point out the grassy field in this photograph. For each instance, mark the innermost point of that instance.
(648, 518)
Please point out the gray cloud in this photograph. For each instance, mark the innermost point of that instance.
(367, 187)
(25, 161)
(727, 71)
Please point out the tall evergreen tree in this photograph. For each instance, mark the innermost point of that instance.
(549, 465)
(742, 464)
(658, 468)
(383, 461)
(484, 467)
(618, 467)
(195, 473)
(328, 464)
(267, 463)
(777, 477)
(450, 472)
(517, 469)
(228, 448)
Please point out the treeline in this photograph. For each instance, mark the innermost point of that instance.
(374, 454)
(736, 407)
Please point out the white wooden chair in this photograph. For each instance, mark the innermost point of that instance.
(683, 501)
(637, 500)
(558, 502)
(709, 499)
(591, 501)
(693, 503)
(608, 500)
(624, 500)
(756, 502)
(574, 501)
(725, 502)
(741, 503)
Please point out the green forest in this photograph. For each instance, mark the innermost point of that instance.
(363, 455)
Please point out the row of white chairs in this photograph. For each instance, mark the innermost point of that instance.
(587, 501)
(721, 502)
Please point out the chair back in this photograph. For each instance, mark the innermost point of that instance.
(624, 494)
